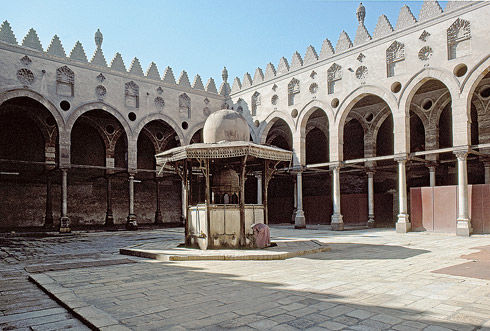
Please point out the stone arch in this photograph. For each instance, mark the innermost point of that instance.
(350, 101)
(152, 117)
(18, 93)
(308, 109)
(269, 122)
(473, 78)
(98, 105)
(417, 80)
(352, 98)
(192, 131)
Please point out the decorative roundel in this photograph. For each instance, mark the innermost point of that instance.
(313, 88)
(294, 113)
(274, 99)
(25, 76)
(159, 102)
(361, 72)
(425, 53)
(100, 91)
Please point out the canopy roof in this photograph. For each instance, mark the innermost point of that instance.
(222, 150)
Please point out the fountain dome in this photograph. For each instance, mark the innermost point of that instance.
(225, 125)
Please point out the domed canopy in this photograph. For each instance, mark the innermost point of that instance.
(225, 125)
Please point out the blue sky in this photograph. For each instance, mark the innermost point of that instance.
(199, 36)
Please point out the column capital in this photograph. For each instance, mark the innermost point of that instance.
(336, 165)
(402, 157)
(461, 154)
(370, 172)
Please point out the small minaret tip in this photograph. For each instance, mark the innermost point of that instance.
(361, 13)
(224, 74)
(98, 38)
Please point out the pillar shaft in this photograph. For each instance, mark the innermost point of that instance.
(299, 219)
(158, 212)
(463, 225)
(432, 176)
(64, 220)
(487, 172)
(48, 219)
(337, 220)
(403, 225)
(259, 189)
(109, 218)
(370, 198)
(131, 220)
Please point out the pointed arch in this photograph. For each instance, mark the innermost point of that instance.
(17, 93)
(153, 117)
(267, 124)
(98, 105)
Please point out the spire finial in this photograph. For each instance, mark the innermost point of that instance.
(98, 38)
(224, 74)
(361, 13)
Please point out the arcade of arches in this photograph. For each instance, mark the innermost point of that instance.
(97, 188)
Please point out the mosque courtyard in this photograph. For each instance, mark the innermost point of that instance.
(369, 279)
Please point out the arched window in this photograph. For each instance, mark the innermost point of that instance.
(65, 81)
(395, 55)
(132, 95)
(256, 101)
(334, 78)
(293, 89)
(458, 39)
(185, 106)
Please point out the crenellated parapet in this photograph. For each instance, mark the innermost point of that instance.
(56, 49)
(406, 20)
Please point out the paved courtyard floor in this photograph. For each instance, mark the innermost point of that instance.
(370, 280)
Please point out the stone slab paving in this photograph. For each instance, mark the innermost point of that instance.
(283, 249)
(370, 280)
(23, 306)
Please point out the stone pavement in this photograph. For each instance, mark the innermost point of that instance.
(370, 280)
(281, 250)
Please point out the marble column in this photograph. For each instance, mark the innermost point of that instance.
(158, 212)
(370, 178)
(463, 223)
(259, 188)
(131, 223)
(432, 176)
(337, 220)
(403, 224)
(109, 217)
(64, 220)
(299, 218)
(48, 218)
(184, 202)
(487, 172)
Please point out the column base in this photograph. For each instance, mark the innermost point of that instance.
(131, 223)
(48, 222)
(337, 222)
(299, 220)
(109, 219)
(463, 227)
(65, 225)
(370, 222)
(293, 216)
(158, 217)
(403, 225)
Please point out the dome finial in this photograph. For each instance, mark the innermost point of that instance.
(98, 38)
(224, 74)
(361, 13)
